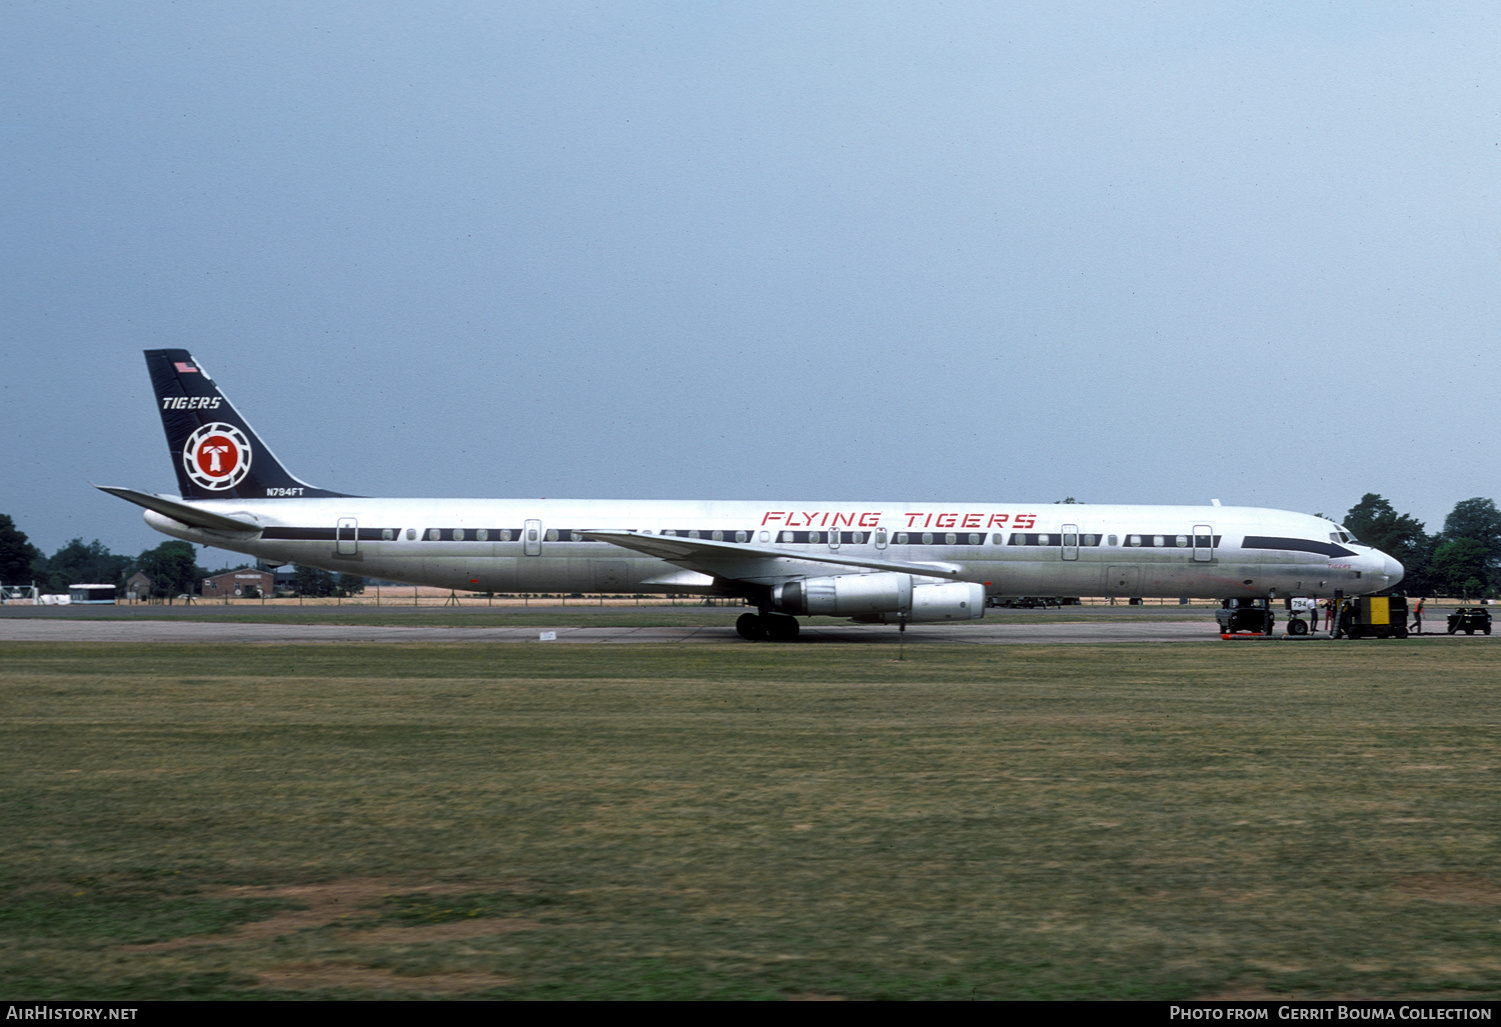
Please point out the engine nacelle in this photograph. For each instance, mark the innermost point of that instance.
(872, 597)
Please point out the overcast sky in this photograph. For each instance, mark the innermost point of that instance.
(1128, 252)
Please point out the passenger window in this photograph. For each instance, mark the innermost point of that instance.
(765, 535)
(1111, 540)
(974, 540)
(483, 534)
(411, 534)
(1134, 540)
(950, 539)
(552, 535)
(995, 539)
(669, 531)
(575, 537)
(740, 536)
(1157, 541)
(433, 534)
(505, 534)
(1089, 540)
(1182, 541)
(458, 534)
(387, 534)
(719, 536)
(813, 536)
(857, 537)
(1042, 540)
(927, 538)
(693, 533)
(901, 538)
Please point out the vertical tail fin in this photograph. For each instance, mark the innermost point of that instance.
(215, 452)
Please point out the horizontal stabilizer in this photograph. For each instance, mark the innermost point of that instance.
(183, 512)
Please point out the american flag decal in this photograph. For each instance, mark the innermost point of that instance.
(185, 368)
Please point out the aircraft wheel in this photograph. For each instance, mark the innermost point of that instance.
(1297, 627)
(750, 628)
(782, 628)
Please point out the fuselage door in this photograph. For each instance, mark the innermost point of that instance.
(347, 536)
(531, 538)
(1203, 543)
(834, 539)
(880, 538)
(1070, 541)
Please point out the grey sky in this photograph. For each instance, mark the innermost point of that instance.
(985, 252)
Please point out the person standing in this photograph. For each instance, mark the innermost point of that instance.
(1417, 618)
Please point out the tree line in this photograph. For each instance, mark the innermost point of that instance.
(170, 566)
(1464, 559)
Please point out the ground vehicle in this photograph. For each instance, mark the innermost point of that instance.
(1372, 617)
(1245, 615)
(1469, 618)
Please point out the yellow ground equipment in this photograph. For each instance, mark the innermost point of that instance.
(1372, 617)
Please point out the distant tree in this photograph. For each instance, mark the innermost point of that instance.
(76, 562)
(350, 584)
(171, 568)
(1069, 501)
(314, 582)
(17, 554)
(1461, 566)
(1477, 519)
(1375, 523)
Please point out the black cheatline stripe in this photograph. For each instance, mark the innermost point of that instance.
(961, 538)
(1296, 545)
(845, 537)
(300, 534)
(1170, 541)
(1085, 539)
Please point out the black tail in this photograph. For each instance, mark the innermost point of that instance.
(215, 453)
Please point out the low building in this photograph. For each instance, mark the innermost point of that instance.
(137, 587)
(243, 582)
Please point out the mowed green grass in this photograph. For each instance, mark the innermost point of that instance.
(746, 821)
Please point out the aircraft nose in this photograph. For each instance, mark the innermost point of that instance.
(1392, 569)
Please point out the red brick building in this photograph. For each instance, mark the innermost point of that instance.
(238, 583)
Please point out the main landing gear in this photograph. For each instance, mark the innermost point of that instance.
(778, 627)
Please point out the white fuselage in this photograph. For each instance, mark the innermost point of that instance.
(1049, 550)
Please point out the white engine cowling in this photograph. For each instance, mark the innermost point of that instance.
(871, 597)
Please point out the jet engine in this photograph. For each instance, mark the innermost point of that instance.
(872, 597)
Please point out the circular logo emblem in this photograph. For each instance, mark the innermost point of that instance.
(217, 456)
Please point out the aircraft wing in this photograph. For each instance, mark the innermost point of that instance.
(759, 563)
(184, 512)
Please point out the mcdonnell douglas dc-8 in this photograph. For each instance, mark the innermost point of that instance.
(875, 562)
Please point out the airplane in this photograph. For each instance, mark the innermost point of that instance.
(871, 562)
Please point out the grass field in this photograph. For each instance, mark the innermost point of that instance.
(738, 821)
